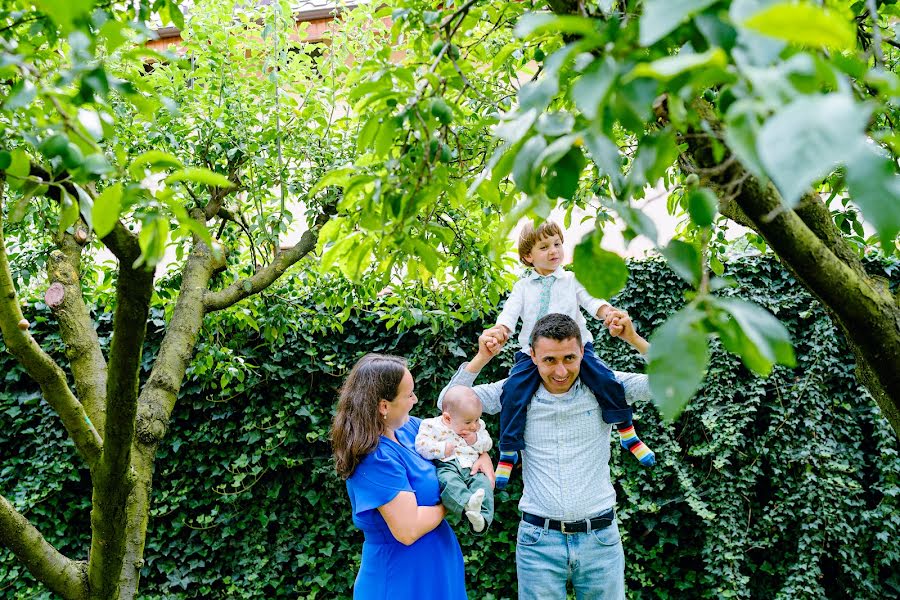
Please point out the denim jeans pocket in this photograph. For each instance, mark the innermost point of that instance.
(529, 534)
(608, 536)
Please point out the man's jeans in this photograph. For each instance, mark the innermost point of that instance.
(594, 562)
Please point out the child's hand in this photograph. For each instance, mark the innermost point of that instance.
(449, 449)
(469, 436)
(616, 321)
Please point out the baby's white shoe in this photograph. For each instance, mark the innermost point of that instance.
(476, 519)
(474, 502)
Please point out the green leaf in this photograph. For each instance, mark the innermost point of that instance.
(702, 205)
(662, 16)
(85, 205)
(602, 273)
(741, 132)
(756, 336)
(385, 138)
(804, 24)
(29, 190)
(65, 12)
(875, 187)
(152, 239)
(152, 158)
(808, 138)
(592, 88)
(606, 156)
(21, 95)
(524, 172)
(107, 207)
(5, 159)
(684, 259)
(540, 23)
(90, 120)
(655, 154)
(200, 175)
(68, 211)
(667, 68)
(19, 168)
(677, 361)
(563, 176)
(338, 177)
(538, 94)
(367, 134)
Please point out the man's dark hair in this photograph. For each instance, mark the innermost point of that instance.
(556, 326)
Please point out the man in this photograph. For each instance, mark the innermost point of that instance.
(568, 530)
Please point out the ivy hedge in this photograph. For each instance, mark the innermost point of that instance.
(785, 487)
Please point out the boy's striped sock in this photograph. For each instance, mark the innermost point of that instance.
(631, 442)
(504, 467)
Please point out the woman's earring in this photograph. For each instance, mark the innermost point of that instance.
(384, 417)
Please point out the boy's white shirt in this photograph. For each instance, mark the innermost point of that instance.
(567, 297)
(431, 441)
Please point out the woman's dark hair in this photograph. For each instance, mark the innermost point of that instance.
(357, 424)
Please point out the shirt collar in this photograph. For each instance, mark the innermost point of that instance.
(557, 273)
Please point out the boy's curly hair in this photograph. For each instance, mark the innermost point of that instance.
(529, 236)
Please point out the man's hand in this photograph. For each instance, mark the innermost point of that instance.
(484, 465)
(469, 436)
(495, 338)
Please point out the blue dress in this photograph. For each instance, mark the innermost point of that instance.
(430, 568)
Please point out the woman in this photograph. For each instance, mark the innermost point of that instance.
(409, 549)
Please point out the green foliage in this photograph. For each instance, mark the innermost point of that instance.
(786, 487)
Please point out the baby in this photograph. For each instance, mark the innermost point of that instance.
(454, 441)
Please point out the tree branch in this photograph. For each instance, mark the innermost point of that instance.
(43, 369)
(121, 242)
(807, 243)
(77, 330)
(263, 278)
(112, 479)
(62, 575)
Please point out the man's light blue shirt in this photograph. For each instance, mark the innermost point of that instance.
(565, 463)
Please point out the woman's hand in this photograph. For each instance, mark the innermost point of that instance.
(485, 465)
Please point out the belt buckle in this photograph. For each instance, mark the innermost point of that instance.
(562, 528)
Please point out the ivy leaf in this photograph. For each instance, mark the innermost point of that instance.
(754, 334)
(875, 187)
(804, 24)
(677, 361)
(106, 210)
(808, 138)
(662, 16)
(602, 273)
(702, 205)
(684, 259)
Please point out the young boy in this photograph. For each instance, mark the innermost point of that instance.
(454, 441)
(550, 289)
